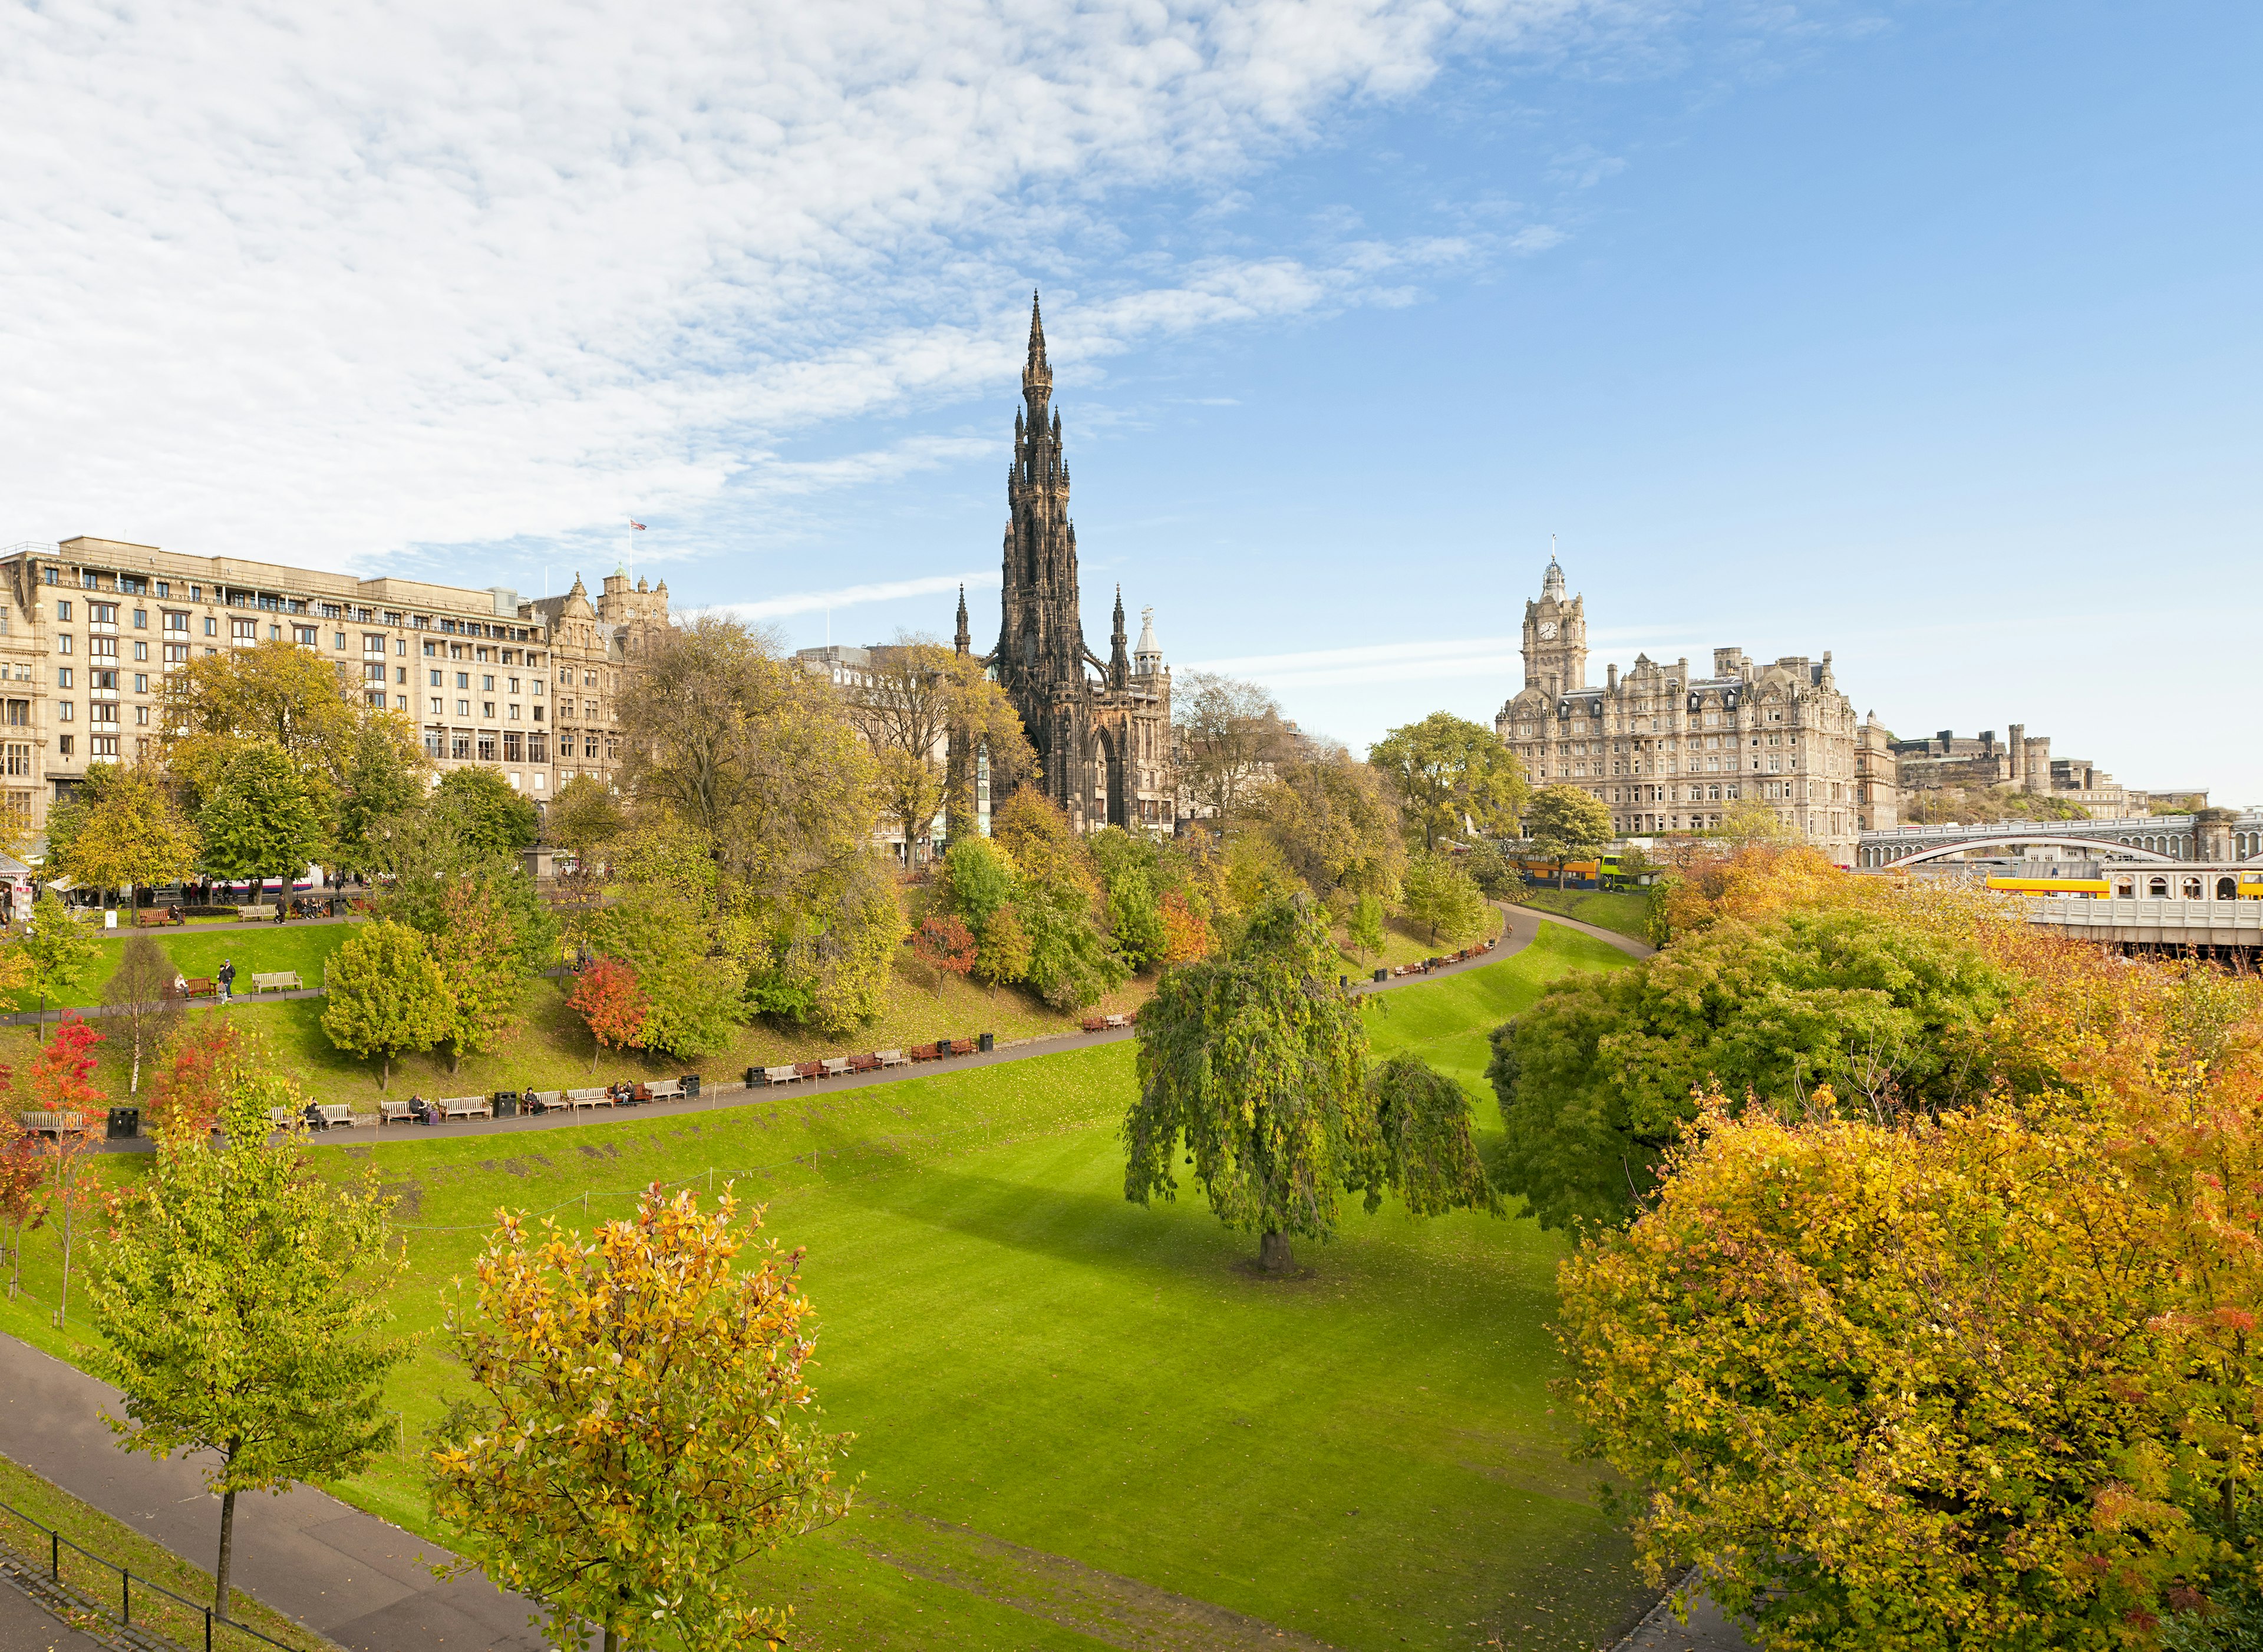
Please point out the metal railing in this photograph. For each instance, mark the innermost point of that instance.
(96, 1584)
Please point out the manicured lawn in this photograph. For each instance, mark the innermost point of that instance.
(1626, 911)
(263, 947)
(1075, 1417)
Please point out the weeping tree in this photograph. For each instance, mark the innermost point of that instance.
(1254, 1065)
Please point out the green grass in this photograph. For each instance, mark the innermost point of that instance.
(1072, 1411)
(1626, 911)
(263, 947)
(48, 1505)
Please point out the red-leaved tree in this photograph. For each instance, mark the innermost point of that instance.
(611, 1004)
(203, 1065)
(62, 1081)
(946, 943)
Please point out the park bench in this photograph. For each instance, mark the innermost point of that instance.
(589, 1098)
(338, 1116)
(277, 981)
(777, 1075)
(544, 1099)
(660, 1090)
(835, 1067)
(927, 1052)
(863, 1064)
(465, 1106)
(1095, 1023)
(809, 1070)
(153, 917)
(200, 987)
(891, 1058)
(1116, 1021)
(392, 1111)
(961, 1047)
(63, 1123)
(262, 909)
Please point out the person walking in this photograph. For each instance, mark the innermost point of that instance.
(227, 981)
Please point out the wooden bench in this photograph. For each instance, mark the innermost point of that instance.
(589, 1099)
(465, 1106)
(544, 1099)
(60, 1122)
(891, 1058)
(662, 1090)
(835, 1067)
(265, 909)
(338, 1116)
(777, 1075)
(392, 1111)
(809, 1070)
(277, 981)
(1116, 1021)
(201, 987)
(1095, 1023)
(927, 1052)
(865, 1064)
(962, 1047)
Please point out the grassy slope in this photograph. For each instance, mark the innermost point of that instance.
(305, 948)
(1626, 911)
(1023, 1355)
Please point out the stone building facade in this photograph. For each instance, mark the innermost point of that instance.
(1101, 728)
(1669, 750)
(2022, 763)
(90, 628)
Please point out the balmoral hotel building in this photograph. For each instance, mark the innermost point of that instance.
(88, 628)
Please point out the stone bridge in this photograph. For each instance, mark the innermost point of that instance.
(2214, 834)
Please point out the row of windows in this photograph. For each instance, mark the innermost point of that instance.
(135, 585)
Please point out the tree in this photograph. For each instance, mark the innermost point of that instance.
(1131, 876)
(611, 1004)
(474, 949)
(1443, 897)
(920, 707)
(386, 996)
(1071, 961)
(62, 1081)
(583, 818)
(131, 832)
(1452, 776)
(208, 1059)
(262, 816)
(1567, 822)
(1365, 926)
(1754, 882)
(944, 943)
(1187, 933)
(692, 1000)
(141, 999)
(23, 1191)
(486, 810)
(1230, 734)
(242, 1302)
(56, 949)
(634, 1439)
(1750, 821)
(381, 780)
(1002, 952)
(1258, 1063)
(1328, 815)
(1597, 1079)
(273, 694)
(1429, 1154)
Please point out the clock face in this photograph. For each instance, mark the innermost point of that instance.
(1547, 631)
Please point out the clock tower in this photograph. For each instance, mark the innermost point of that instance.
(1554, 638)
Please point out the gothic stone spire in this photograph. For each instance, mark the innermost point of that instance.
(964, 641)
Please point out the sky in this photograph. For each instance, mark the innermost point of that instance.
(1922, 333)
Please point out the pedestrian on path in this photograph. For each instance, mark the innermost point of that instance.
(227, 981)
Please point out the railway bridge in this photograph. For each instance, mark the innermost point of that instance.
(2214, 834)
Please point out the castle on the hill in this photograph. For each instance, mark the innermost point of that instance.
(1101, 728)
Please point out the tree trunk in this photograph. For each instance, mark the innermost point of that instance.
(384, 1070)
(1273, 1254)
(226, 1554)
(612, 1639)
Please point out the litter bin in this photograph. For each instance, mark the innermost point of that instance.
(1343, 980)
(753, 1077)
(124, 1123)
(691, 1085)
(1382, 975)
(506, 1104)
(986, 1043)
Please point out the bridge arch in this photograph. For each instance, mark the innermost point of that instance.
(2089, 846)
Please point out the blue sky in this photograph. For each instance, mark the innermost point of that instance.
(1921, 332)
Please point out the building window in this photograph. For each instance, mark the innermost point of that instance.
(140, 651)
(63, 678)
(439, 709)
(64, 644)
(512, 748)
(436, 679)
(433, 742)
(142, 715)
(463, 679)
(62, 612)
(101, 745)
(463, 708)
(211, 626)
(175, 621)
(538, 751)
(245, 630)
(177, 653)
(487, 745)
(371, 644)
(460, 745)
(306, 635)
(140, 684)
(63, 745)
(338, 642)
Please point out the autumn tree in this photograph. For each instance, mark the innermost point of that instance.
(262, 816)
(1255, 1065)
(23, 1191)
(61, 1080)
(1056, 902)
(243, 1302)
(945, 944)
(208, 1058)
(611, 1004)
(386, 996)
(1451, 777)
(1335, 826)
(131, 832)
(1444, 898)
(1229, 735)
(475, 948)
(56, 950)
(143, 1002)
(1566, 824)
(1187, 933)
(637, 1431)
(920, 707)
(486, 812)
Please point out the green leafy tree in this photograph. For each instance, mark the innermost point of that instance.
(1071, 962)
(275, 694)
(1429, 1149)
(56, 949)
(262, 817)
(584, 817)
(1444, 898)
(1566, 823)
(977, 878)
(1333, 819)
(1366, 926)
(1451, 778)
(1597, 1079)
(637, 1433)
(693, 999)
(243, 1301)
(1256, 1062)
(386, 996)
(143, 1006)
(1001, 952)
(382, 777)
(475, 951)
(486, 810)
(130, 832)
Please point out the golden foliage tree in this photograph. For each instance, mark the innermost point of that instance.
(637, 1433)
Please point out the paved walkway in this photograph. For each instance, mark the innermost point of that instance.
(355, 1578)
(1707, 1631)
(27, 1626)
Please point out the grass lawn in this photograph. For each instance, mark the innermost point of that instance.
(1081, 1424)
(1626, 911)
(305, 948)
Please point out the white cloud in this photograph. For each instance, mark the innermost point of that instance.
(857, 596)
(315, 282)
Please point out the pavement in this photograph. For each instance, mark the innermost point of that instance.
(27, 1626)
(1707, 1630)
(364, 1582)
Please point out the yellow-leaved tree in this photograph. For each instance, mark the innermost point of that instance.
(638, 1431)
